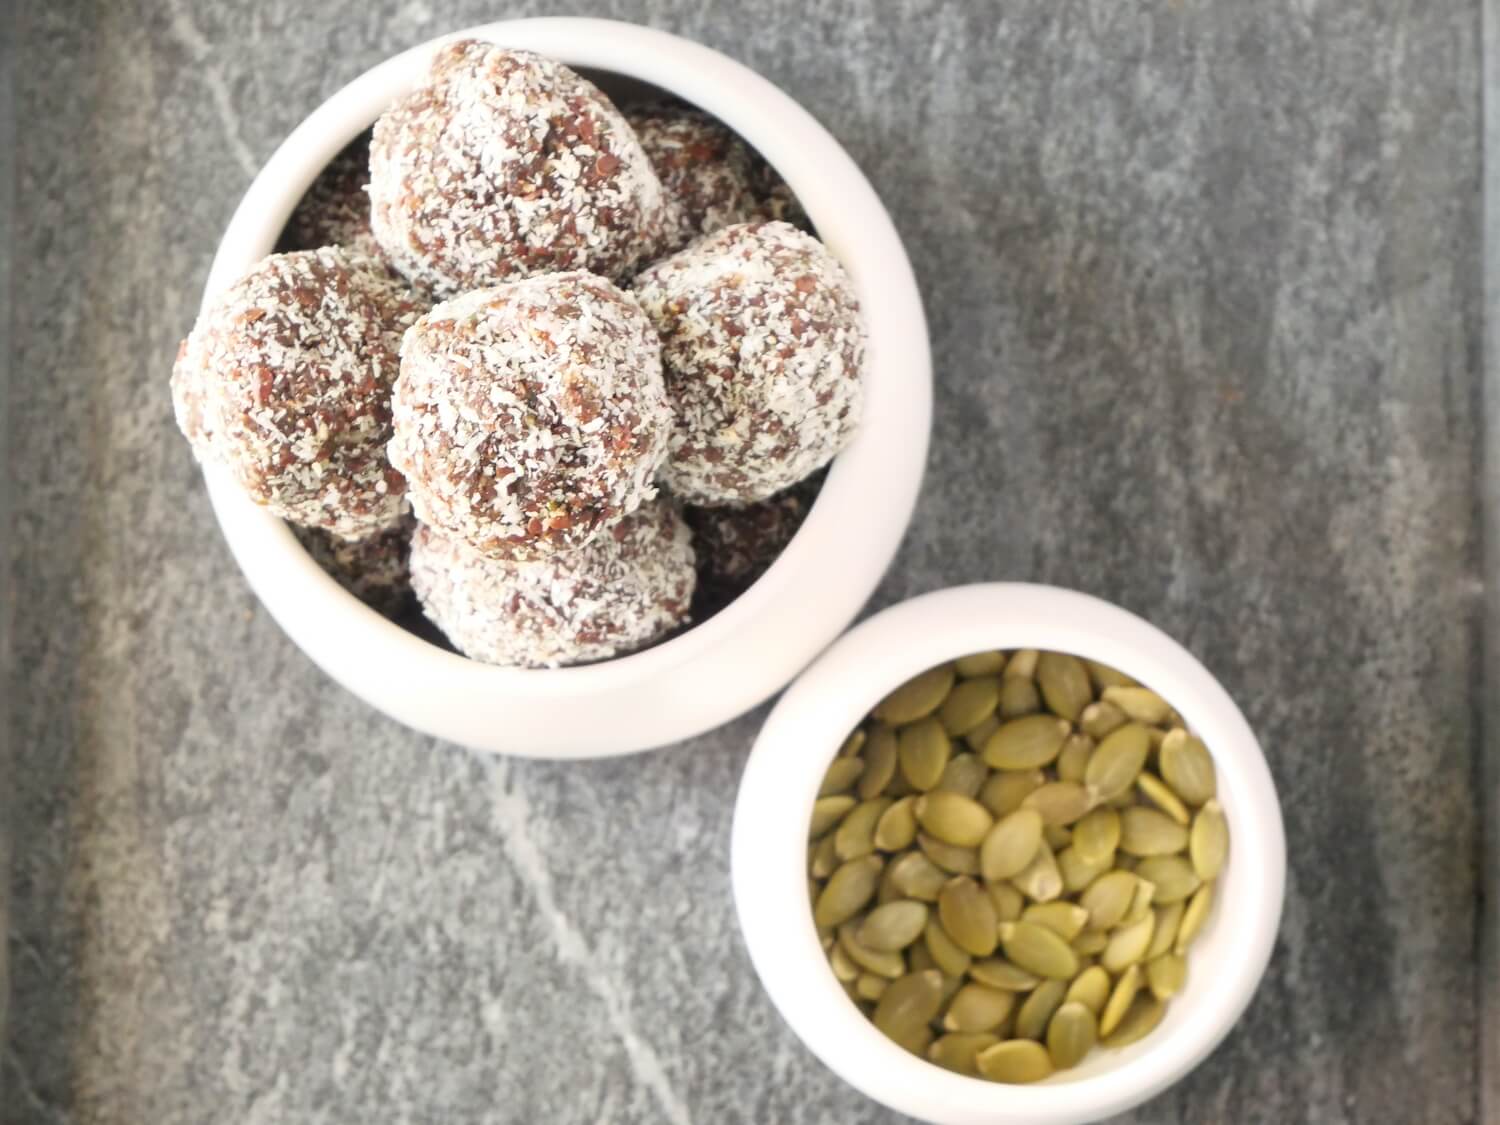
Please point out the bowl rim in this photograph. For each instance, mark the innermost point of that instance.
(846, 542)
(781, 776)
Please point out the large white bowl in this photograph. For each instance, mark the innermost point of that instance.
(738, 658)
(804, 731)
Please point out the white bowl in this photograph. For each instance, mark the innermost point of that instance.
(744, 654)
(804, 731)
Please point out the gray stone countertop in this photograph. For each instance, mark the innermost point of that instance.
(1204, 282)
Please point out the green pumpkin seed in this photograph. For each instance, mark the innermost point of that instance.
(1140, 905)
(880, 762)
(954, 818)
(1155, 790)
(916, 1040)
(856, 834)
(1089, 988)
(969, 704)
(910, 1003)
(1141, 705)
(1187, 767)
(1166, 975)
(1140, 1021)
(893, 926)
(945, 952)
(1146, 832)
(1172, 876)
(950, 857)
(1025, 744)
(918, 957)
(1056, 837)
(1193, 918)
(977, 737)
(1009, 902)
(1128, 944)
(1106, 677)
(977, 1008)
(956, 1051)
(980, 664)
(1037, 1010)
(1011, 844)
(1022, 664)
(1005, 791)
(968, 916)
(1014, 1061)
(896, 829)
(1066, 919)
(1018, 697)
(870, 987)
(1040, 880)
(1059, 802)
(1097, 835)
(1073, 758)
(999, 973)
(1108, 899)
(1071, 1034)
(1117, 762)
(847, 891)
(824, 860)
(1064, 683)
(1168, 919)
(841, 776)
(964, 774)
(1090, 943)
(1101, 718)
(923, 750)
(828, 811)
(916, 876)
(1209, 846)
(843, 967)
(919, 697)
(1077, 872)
(1038, 950)
(1120, 999)
(881, 962)
(853, 744)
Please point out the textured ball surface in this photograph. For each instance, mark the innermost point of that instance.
(707, 173)
(335, 209)
(374, 569)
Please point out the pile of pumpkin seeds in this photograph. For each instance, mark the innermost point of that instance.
(1009, 859)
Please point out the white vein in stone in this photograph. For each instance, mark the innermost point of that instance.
(186, 32)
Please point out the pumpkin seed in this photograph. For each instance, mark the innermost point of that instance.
(1071, 1034)
(896, 829)
(923, 749)
(881, 962)
(1128, 944)
(841, 776)
(1022, 664)
(1120, 999)
(980, 664)
(1097, 835)
(916, 1040)
(954, 818)
(1168, 919)
(1155, 790)
(977, 1008)
(964, 774)
(843, 967)
(1089, 943)
(870, 987)
(1078, 872)
(1166, 975)
(1117, 762)
(1187, 767)
(1040, 880)
(910, 1003)
(1172, 876)
(1011, 844)
(919, 957)
(853, 744)
(1059, 802)
(824, 858)
(969, 704)
(1025, 744)
(856, 834)
(1209, 846)
(1000, 973)
(1101, 718)
(1141, 1020)
(1014, 1061)
(1018, 697)
(828, 811)
(893, 926)
(1066, 919)
(1146, 832)
(950, 857)
(1056, 837)
(916, 876)
(977, 737)
(1108, 899)
(919, 697)
(945, 952)
(1193, 918)
(1064, 683)
(1106, 677)
(1140, 905)
(1140, 704)
(1009, 902)
(1089, 988)
(880, 762)
(1036, 1010)
(1038, 950)
(956, 1051)
(968, 916)
(847, 891)
(1073, 758)
(1005, 791)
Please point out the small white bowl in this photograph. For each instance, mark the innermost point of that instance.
(716, 670)
(804, 731)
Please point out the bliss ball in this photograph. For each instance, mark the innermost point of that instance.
(736, 545)
(285, 381)
(707, 173)
(762, 346)
(531, 416)
(629, 587)
(374, 569)
(503, 165)
(335, 209)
